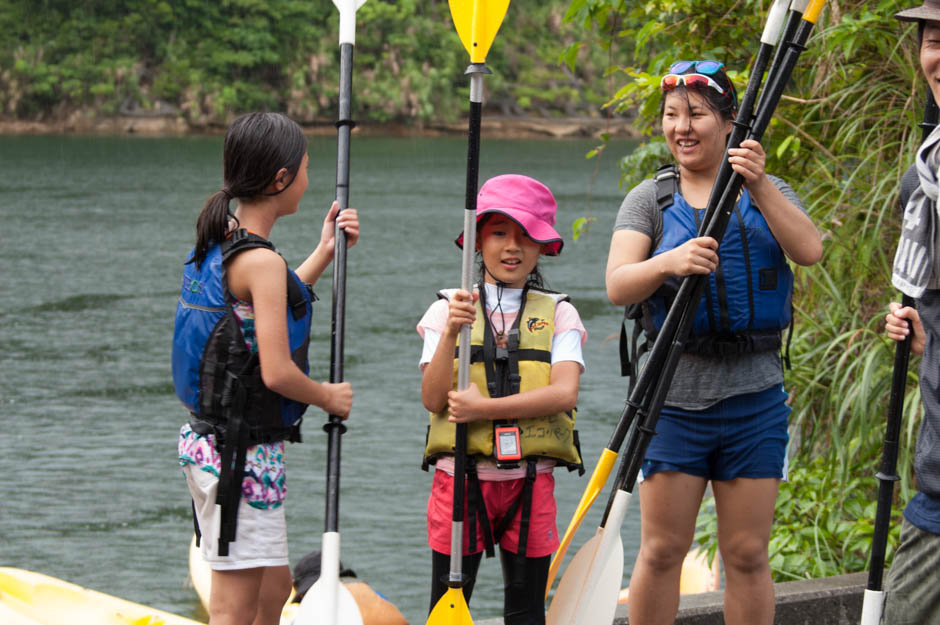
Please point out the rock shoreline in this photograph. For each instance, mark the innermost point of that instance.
(493, 126)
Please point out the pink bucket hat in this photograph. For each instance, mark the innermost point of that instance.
(526, 201)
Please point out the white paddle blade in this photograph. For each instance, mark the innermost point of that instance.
(347, 19)
(872, 606)
(775, 19)
(328, 603)
(348, 5)
(588, 591)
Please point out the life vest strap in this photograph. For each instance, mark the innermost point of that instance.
(476, 508)
(747, 342)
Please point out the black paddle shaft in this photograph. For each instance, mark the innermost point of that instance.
(334, 427)
(664, 355)
(887, 476)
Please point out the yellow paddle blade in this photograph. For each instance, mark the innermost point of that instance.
(813, 10)
(476, 22)
(594, 487)
(451, 609)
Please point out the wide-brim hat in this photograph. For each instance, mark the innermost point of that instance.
(929, 10)
(527, 202)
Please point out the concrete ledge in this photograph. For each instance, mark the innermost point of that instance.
(827, 601)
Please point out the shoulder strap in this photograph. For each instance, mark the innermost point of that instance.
(666, 180)
(242, 240)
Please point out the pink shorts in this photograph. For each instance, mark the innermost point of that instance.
(499, 497)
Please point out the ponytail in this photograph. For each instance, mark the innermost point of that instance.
(212, 225)
(257, 146)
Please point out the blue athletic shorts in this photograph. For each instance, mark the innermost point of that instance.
(742, 436)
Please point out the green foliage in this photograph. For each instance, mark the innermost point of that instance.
(210, 60)
(809, 540)
(843, 134)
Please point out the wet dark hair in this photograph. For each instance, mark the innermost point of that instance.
(257, 146)
(307, 571)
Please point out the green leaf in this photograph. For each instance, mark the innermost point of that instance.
(580, 226)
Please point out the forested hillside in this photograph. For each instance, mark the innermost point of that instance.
(206, 60)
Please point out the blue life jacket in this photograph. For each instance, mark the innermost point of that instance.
(218, 378)
(214, 371)
(749, 296)
(749, 293)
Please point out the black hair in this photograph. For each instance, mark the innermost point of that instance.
(257, 146)
(307, 571)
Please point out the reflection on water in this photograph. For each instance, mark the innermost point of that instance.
(94, 234)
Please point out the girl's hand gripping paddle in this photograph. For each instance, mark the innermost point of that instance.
(329, 602)
(476, 22)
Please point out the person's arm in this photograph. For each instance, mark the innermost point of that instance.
(897, 328)
(632, 276)
(262, 275)
(438, 377)
(793, 229)
(313, 267)
(559, 395)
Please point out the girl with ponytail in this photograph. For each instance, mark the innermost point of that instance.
(244, 380)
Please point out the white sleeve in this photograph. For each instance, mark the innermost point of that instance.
(431, 339)
(567, 346)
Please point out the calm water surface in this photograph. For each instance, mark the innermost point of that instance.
(93, 238)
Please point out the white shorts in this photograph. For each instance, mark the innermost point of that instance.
(260, 535)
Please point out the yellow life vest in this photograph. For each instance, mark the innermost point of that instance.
(551, 436)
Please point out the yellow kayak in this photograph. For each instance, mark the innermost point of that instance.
(28, 598)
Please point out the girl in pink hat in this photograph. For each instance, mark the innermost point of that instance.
(525, 370)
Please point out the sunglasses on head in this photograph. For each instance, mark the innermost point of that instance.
(671, 81)
(697, 80)
(709, 68)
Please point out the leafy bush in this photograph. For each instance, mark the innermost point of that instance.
(211, 60)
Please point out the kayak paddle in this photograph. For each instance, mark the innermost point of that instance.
(328, 602)
(609, 455)
(476, 22)
(590, 595)
(873, 602)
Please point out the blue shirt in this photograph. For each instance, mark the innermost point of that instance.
(923, 511)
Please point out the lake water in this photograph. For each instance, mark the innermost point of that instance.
(94, 232)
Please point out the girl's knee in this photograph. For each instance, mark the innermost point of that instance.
(745, 555)
(662, 554)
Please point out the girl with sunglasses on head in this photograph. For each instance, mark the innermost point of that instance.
(725, 415)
